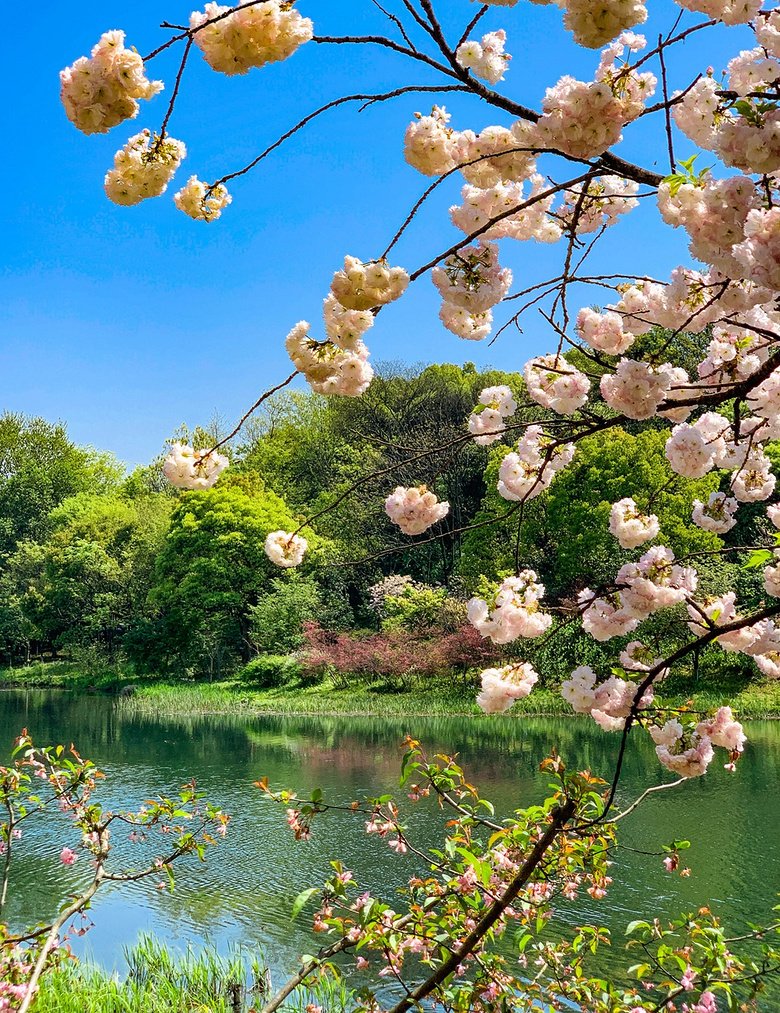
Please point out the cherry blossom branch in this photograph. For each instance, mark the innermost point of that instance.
(381, 97)
(250, 411)
(560, 816)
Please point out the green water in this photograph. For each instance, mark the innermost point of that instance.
(243, 892)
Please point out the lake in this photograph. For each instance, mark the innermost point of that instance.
(243, 893)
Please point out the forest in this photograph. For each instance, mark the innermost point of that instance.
(98, 563)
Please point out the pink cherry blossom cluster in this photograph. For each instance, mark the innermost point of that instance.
(609, 703)
(630, 526)
(487, 426)
(597, 204)
(143, 168)
(502, 686)
(584, 119)
(605, 332)
(101, 91)
(593, 25)
(512, 612)
(497, 154)
(285, 549)
(714, 216)
(688, 752)
(481, 206)
(759, 252)
(767, 28)
(748, 140)
(249, 35)
(528, 470)
(201, 202)
(553, 383)
(328, 368)
(360, 286)
(193, 469)
(693, 450)
(485, 59)
(636, 389)
(415, 509)
(717, 514)
(472, 279)
(654, 582)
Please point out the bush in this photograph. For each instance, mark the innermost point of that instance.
(420, 608)
(270, 670)
(276, 622)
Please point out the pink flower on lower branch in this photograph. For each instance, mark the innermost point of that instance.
(68, 857)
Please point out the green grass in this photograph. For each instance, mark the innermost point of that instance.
(161, 980)
(452, 696)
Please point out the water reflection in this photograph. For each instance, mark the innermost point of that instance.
(244, 892)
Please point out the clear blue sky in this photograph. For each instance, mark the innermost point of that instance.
(124, 322)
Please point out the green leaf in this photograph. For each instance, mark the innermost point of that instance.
(759, 558)
(301, 900)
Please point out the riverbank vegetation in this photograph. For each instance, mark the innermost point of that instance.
(124, 578)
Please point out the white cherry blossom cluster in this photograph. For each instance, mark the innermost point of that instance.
(285, 549)
(512, 612)
(637, 389)
(593, 25)
(713, 215)
(502, 686)
(730, 12)
(485, 59)
(344, 327)
(249, 35)
(553, 383)
(143, 168)
(471, 326)
(101, 91)
(630, 526)
(527, 471)
(481, 206)
(772, 579)
(201, 202)
(360, 286)
(598, 204)
(193, 469)
(430, 146)
(717, 514)
(497, 154)
(584, 119)
(327, 367)
(609, 703)
(472, 279)
(488, 426)
(415, 509)
(688, 752)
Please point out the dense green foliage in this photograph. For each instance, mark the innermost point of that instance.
(97, 566)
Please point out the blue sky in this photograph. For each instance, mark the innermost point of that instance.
(125, 322)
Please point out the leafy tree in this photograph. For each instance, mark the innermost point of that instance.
(210, 573)
(40, 466)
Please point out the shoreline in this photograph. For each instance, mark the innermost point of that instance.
(434, 698)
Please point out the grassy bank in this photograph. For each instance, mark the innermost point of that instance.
(759, 698)
(161, 980)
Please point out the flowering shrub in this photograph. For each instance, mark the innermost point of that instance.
(397, 653)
